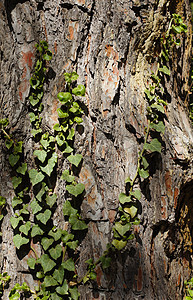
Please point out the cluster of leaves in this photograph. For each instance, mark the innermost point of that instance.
(4, 282)
(188, 289)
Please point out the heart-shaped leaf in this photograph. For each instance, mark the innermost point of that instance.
(16, 181)
(76, 223)
(154, 146)
(62, 290)
(71, 134)
(41, 155)
(124, 199)
(75, 159)
(64, 97)
(36, 230)
(35, 176)
(22, 169)
(75, 190)
(44, 217)
(66, 176)
(59, 274)
(13, 159)
(31, 263)
(35, 207)
(79, 90)
(46, 243)
(56, 234)
(50, 281)
(68, 210)
(69, 265)
(25, 228)
(74, 293)
(50, 165)
(19, 241)
(122, 229)
(15, 221)
(119, 245)
(143, 173)
(62, 114)
(47, 263)
(131, 210)
(56, 252)
(136, 194)
(51, 200)
(16, 201)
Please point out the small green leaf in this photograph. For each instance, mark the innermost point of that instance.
(16, 201)
(124, 199)
(62, 114)
(25, 228)
(165, 70)
(74, 76)
(50, 281)
(76, 223)
(64, 97)
(143, 173)
(67, 177)
(57, 127)
(55, 233)
(75, 190)
(22, 169)
(41, 155)
(122, 229)
(15, 221)
(154, 146)
(71, 134)
(44, 217)
(68, 149)
(47, 55)
(78, 120)
(144, 162)
(35, 207)
(35, 132)
(46, 243)
(35, 176)
(56, 252)
(79, 90)
(106, 262)
(131, 210)
(19, 241)
(47, 263)
(60, 139)
(18, 147)
(67, 236)
(13, 159)
(8, 144)
(2, 201)
(33, 102)
(62, 290)
(158, 107)
(59, 274)
(69, 265)
(159, 127)
(75, 159)
(119, 245)
(74, 293)
(31, 263)
(72, 245)
(68, 210)
(14, 296)
(48, 169)
(51, 200)
(36, 230)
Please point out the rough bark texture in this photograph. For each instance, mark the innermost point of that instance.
(113, 46)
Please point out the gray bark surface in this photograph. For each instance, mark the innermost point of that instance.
(112, 45)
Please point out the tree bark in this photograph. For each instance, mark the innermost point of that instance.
(113, 46)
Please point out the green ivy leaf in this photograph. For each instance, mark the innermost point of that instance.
(106, 262)
(154, 146)
(36, 230)
(56, 234)
(46, 243)
(42, 192)
(35, 207)
(25, 228)
(79, 90)
(158, 107)
(44, 217)
(75, 190)
(35, 176)
(67, 177)
(8, 144)
(19, 241)
(124, 199)
(13, 159)
(51, 200)
(78, 120)
(144, 162)
(74, 108)
(67, 236)
(35, 132)
(57, 127)
(18, 147)
(131, 210)
(69, 265)
(60, 139)
(71, 134)
(75, 159)
(62, 114)
(50, 281)
(56, 252)
(165, 70)
(14, 296)
(41, 155)
(15, 221)
(64, 97)
(47, 263)
(74, 76)
(62, 290)
(122, 229)
(47, 55)
(50, 165)
(143, 173)
(22, 169)
(68, 210)
(68, 148)
(72, 245)
(55, 296)
(31, 263)
(33, 102)
(59, 274)
(16, 201)
(119, 245)
(159, 127)
(74, 293)
(76, 223)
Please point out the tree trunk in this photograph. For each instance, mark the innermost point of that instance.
(113, 46)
